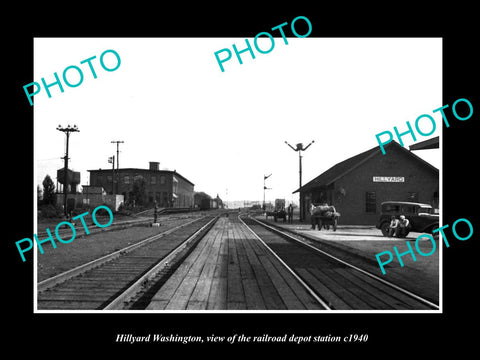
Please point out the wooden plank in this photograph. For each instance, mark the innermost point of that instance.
(222, 260)
(278, 275)
(168, 290)
(288, 296)
(157, 305)
(217, 299)
(363, 292)
(183, 293)
(268, 291)
(236, 305)
(180, 299)
(196, 305)
(393, 299)
(246, 271)
(68, 305)
(308, 301)
(235, 293)
(253, 295)
(203, 286)
(337, 286)
(325, 293)
(345, 279)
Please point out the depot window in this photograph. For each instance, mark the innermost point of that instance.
(370, 202)
(412, 196)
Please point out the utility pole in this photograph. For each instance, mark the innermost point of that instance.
(67, 132)
(299, 148)
(111, 160)
(117, 142)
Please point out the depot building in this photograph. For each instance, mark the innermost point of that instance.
(358, 185)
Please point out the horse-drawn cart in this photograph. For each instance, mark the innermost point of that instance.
(324, 216)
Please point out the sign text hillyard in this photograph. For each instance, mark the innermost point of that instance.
(388, 179)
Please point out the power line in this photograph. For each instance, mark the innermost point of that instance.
(67, 132)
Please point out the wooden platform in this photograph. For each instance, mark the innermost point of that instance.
(231, 270)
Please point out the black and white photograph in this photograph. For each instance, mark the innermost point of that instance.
(296, 178)
(210, 207)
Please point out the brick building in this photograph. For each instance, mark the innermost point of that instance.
(168, 188)
(357, 186)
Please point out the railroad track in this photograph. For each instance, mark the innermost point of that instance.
(123, 278)
(337, 284)
(65, 231)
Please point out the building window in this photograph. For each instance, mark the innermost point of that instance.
(370, 202)
(391, 208)
(412, 196)
(409, 209)
(162, 179)
(126, 179)
(153, 179)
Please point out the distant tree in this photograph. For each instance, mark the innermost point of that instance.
(48, 190)
(39, 194)
(139, 190)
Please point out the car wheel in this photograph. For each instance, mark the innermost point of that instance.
(385, 227)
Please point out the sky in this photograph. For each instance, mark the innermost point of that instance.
(170, 103)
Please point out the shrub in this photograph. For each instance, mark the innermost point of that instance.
(50, 211)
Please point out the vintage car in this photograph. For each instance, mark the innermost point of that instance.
(421, 216)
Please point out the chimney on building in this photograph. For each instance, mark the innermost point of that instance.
(154, 165)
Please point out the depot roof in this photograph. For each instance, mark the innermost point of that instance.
(343, 168)
(432, 143)
(174, 172)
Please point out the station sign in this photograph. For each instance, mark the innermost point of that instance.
(395, 179)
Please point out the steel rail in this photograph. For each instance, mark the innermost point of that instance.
(300, 280)
(132, 290)
(373, 276)
(57, 279)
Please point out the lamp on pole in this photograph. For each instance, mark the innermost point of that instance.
(299, 148)
(67, 130)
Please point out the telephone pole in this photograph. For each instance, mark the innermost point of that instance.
(117, 142)
(67, 132)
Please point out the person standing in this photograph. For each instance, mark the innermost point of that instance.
(290, 213)
(155, 212)
(312, 217)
